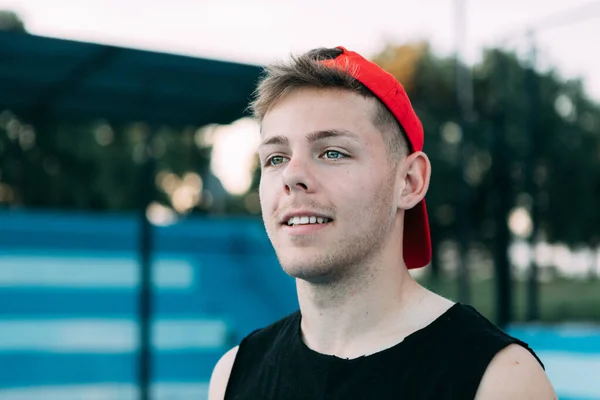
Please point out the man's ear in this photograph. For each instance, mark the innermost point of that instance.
(415, 174)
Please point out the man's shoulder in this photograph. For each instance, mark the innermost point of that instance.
(470, 329)
(253, 346)
(507, 359)
(471, 325)
(515, 373)
(491, 357)
(220, 375)
(471, 317)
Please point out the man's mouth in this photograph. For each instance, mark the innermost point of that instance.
(307, 220)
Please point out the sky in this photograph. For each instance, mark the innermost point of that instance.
(261, 31)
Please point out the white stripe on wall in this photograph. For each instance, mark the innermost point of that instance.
(89, 272)
(108, 391)
(107, 335)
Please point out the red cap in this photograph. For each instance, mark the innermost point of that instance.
(417, 239)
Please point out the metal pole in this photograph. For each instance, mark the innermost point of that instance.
(463, 99)
(532, 189)
(145, 270)
(464, 82)
(503, 189)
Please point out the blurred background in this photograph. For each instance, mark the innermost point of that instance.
(132, 253)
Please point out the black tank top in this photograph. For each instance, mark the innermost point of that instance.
(443, 361)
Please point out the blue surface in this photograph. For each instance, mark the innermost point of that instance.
(233, 276)
(236, 275)
(207, 269)
(571, 355)
(17, 369)
(573, 339)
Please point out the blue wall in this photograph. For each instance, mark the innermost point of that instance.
(68, 302)
(216, 280)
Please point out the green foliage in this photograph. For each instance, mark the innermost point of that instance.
(549, 129)
(546, 127)
(11, 22)
(582, 305)
(88, 166)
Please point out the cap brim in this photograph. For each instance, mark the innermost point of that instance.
(417, 238)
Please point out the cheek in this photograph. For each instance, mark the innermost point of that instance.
(266, 195)
(360, 182)
(261, 195)
(366, 189)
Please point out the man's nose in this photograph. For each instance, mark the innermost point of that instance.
(298, 176)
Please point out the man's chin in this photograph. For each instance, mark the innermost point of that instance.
(315, 272)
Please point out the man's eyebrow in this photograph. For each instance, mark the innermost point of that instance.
(312, 137)
(330, 133)
(275, 140)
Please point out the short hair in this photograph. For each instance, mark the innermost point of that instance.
(306, 71)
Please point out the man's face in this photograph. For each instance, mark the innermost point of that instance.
(327, 187)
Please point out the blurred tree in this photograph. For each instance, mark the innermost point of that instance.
(97, 165)
(567, 164)
(402, 61)
(11, 22)
(94, 165)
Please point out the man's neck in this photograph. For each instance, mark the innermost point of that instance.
(362, 314)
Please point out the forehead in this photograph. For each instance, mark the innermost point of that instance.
(310, 110)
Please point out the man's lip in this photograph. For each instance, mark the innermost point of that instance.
(304, 229)
(287, 216)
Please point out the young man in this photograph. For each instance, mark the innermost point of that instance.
(342, 193)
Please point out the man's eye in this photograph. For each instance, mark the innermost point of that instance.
(333, 155)
(275, 160)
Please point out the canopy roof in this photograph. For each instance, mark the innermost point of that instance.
(44, 77)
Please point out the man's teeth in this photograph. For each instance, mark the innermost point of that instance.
(307, 220)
